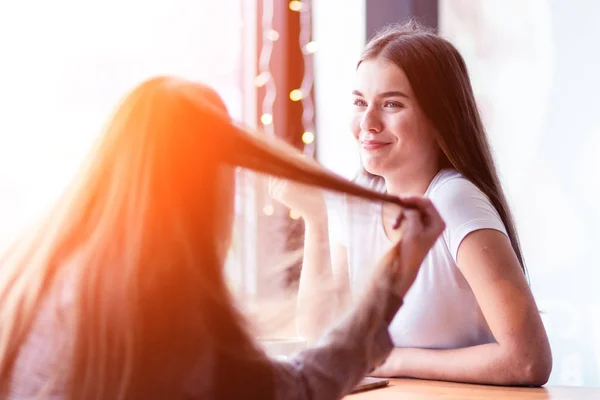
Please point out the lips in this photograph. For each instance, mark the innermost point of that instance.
(373, 144)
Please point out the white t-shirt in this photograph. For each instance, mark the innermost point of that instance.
(440, 310)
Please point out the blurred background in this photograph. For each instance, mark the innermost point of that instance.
(287, 69)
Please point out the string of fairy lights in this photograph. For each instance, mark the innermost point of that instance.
(308, 48)
(264, 79)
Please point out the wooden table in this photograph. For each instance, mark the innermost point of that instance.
(413, 389)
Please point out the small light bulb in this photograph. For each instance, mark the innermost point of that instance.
(308, 137)
(296, 95)
(294, 214)
(295, 5)
(311, 47)
(266, 119)
(262, 79)
(273, 35)
(268, 210)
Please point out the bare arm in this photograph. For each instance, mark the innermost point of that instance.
(341, 277)
(521, 354)
(317, 301)
(323, 292)
(361, 340)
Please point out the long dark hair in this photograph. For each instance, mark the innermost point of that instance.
(439, 78)
(135, 239)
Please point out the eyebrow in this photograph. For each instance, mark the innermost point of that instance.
(392, 93)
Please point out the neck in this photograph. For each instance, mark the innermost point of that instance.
(414, 181)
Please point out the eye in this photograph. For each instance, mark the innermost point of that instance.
(393, 104)
(359, 103)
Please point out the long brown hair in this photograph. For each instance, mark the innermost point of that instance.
(135, 241)
(439, 78)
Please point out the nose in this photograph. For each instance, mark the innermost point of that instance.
(371, 122)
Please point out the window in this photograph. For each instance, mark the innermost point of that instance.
(66, 63)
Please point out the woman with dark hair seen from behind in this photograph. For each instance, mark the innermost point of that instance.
(119, 293)
(470, 316)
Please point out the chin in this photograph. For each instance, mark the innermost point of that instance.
(374, 168)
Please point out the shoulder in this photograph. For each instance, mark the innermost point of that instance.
(450, 186)
(453, 194)
(463, 207)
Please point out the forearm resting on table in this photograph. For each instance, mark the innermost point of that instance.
(485, 364)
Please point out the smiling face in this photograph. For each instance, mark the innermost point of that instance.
(393, 133)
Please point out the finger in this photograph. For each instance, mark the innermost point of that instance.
(433, 224)
(430, 215)
(399, 220)
(412, 224)
(436, 227)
